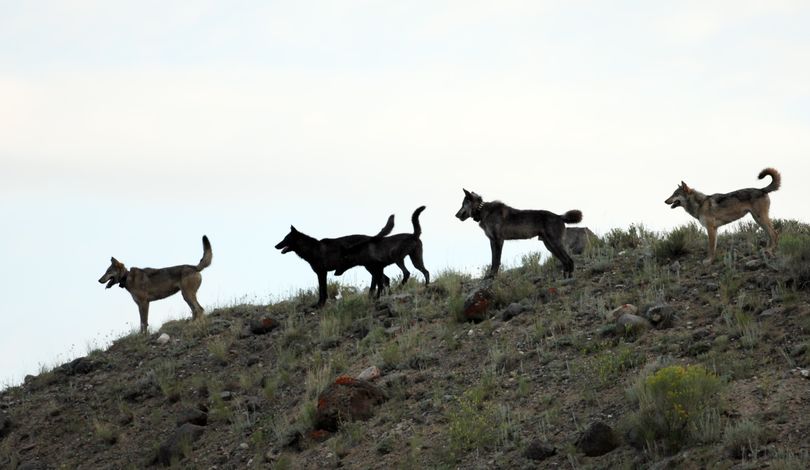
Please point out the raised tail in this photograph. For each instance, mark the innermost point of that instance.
(205, 261)
(417, 229)
(389, 226)
(572, 217)
(776, 179)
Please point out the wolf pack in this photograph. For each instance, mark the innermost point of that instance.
(499, 222)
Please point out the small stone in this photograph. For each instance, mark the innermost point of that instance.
(477, 303)
(370, 373)
(226, 395)
(799, 350)
(346, 399)
(163, 339)
(598, 439)
(753, 265)
(621, 310)
(5, 425)
(675, 267)
(514, 309)
(632, 324)
(179, 441)
(805, 373)
(244, 446)
(193, 416)
(578, 239)
(660, 315)
(263, 326)
(538, 450)
(772, 311)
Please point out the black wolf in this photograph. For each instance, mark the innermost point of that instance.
(377, 253)
(326, 254)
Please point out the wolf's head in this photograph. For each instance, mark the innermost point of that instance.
(115, 274)
(680, 196)
(469, 206)
(292, 242)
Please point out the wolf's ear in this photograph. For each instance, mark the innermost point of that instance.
(292, 229)
(466, 193)
(114, 261)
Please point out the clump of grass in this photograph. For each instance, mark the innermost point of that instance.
(743, 438)
(743, 325)
(105, 432)
(673, 403)
(633, 237)
(677, 243)
(608, 365)
(350, 434)
(165, 377)
(471, 424)
(218, 347)
(531, 263)
(449, 284)
(402, 351)
(789, 459)
(317, 380)
(730, 284)
(293, 331)
(512, 286)
(219, 410)
(795, 251)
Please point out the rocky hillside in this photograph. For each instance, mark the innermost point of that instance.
(647, 358)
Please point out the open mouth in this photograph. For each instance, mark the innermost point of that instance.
(110, 283)
(676, 203)
(283, 248)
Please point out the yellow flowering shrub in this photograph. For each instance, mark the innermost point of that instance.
(672, 403)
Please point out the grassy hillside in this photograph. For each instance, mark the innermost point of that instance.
(716, 374)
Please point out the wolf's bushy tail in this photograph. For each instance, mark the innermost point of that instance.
(417, 229)
(572, 217)
(776, 179)
(205, 261)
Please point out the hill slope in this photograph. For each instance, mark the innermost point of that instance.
(718, 377)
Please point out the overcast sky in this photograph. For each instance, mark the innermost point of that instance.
(133, 128)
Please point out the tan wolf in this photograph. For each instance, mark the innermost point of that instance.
(148, 284)
(716, 210)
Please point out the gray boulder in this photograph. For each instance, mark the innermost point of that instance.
(578, 239)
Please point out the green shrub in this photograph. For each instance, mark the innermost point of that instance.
(472, 423)
(633, 237)
(679, 242)
(512, 287)
(608, 365)
(795, 251)
(744, 438)
(673, 403)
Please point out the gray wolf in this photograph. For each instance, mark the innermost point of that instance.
(326, 254)
(377, 253)
(501, 222)
(148, 284)
(716, 210)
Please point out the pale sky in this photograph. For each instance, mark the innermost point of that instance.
(133, 128)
